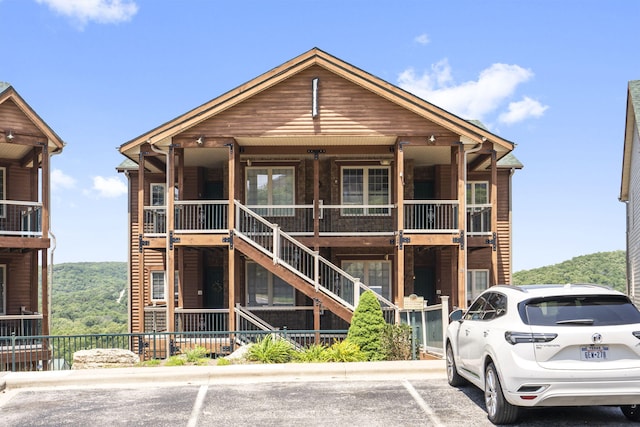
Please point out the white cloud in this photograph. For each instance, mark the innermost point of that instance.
(521, 110)
(473, 99)
(100, 11)
(60, 180)
(109, 187)
(422, 39)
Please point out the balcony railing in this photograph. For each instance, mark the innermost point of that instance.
(191, 216)
(431, 216)
(21, 325)
(420, 216)
(20, 218)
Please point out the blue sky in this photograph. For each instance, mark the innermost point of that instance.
(550, 76)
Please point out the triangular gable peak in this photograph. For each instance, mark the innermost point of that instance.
(21, 126)
(283, 96)
(631, 135)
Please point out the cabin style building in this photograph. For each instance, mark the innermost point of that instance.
(630, 188)
(26, 146)
(285, 198)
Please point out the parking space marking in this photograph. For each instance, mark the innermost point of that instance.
(197, 405)
(420, 401)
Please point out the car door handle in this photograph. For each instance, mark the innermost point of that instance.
(466, 332)
(485, 333)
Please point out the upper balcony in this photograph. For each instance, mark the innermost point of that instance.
(420, 216)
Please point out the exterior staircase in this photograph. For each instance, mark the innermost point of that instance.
(301, 267)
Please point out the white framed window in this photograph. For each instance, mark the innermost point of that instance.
(271, 186)
(477, 281)
(158, 285)
(365, 185)
(157, 194)
(265, 289)
(478, 208)
(3, 289)
(375, 274)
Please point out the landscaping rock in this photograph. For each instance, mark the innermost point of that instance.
(104, 358)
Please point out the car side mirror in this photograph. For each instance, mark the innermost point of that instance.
(456, 315)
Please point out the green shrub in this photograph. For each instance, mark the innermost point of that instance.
(367, 325)
(223, 362)
(345, 351)
(270, 350)
(196, 353)
(175, 361)
(311, 354)
(396, 342)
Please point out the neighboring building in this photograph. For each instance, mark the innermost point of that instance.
(290, 191)
(630, 188)
(26, 147)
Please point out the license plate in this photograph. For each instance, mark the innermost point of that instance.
(594, 352)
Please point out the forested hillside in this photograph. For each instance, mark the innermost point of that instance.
(603, 268)
(89, 298)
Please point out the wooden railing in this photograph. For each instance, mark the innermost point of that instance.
(20, 218)
(431, 216)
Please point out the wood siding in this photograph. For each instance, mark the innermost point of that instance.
(633, 223)
(345, 109)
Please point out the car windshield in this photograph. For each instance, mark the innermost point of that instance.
(578, 310)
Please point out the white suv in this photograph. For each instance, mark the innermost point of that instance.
(547, 345)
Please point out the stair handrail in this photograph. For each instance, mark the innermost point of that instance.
(273, 236)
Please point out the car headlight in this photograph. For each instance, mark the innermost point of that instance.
(514, 338)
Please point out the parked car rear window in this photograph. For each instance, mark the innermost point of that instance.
(576, 310)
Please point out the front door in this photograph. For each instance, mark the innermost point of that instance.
(424, 284)
(214, 287)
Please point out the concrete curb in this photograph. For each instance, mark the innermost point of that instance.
(200, 375)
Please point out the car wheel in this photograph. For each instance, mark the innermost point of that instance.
(498, 409)
(632, 412)
(453, 376)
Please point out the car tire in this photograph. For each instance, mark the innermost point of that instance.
(453, 377)
(632, 412)
(499, 411)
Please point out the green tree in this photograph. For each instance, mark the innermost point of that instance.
(367, 325)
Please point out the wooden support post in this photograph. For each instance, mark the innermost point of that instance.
(462, 245)
(493, 194)
(316, 320)
(139, 327)
(399, 251)
(234, 170)
(170, 276)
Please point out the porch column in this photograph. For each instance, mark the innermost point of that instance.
(171, 260)
(316, 232)
(399, 248)
(180, 155)
(493, 194)
(45, 292)
(234, 169)
(141, 267)
(46, 179)
(462, 212)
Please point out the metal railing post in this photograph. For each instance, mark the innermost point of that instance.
(445, 319)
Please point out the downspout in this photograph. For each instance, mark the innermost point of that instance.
(53, 249)
(511, 172)
(466, 246)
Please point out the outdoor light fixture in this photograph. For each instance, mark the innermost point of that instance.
(200, 140)
(385, 162)
(432, 138)
(9, 136)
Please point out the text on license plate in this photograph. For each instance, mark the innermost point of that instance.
(594, 352)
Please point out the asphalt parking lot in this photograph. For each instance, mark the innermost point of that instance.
(384, 399)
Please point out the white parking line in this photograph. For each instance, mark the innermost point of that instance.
(197, 405)
(425, 407)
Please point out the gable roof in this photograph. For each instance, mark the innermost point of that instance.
(469, 131)
(631, 132)
(9, 94)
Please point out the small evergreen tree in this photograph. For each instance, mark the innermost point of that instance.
(367, 325)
